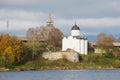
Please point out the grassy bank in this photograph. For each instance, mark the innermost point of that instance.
(91, 61)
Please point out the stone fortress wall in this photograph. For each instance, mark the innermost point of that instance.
(69, 55)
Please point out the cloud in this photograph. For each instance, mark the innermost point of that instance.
(18, 25)
(91, 22)
(100, 22)
(28, 2)
(63, 23)
(21, 15)
(67, 8)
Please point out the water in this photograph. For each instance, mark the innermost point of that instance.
(62, 75)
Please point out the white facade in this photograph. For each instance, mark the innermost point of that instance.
(75, 33)
(75, 41)
(86, 46)
(82, 46)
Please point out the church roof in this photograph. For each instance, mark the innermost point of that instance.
(75, 27)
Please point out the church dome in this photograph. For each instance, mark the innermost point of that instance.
(75, 27)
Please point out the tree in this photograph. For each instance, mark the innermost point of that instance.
(100, 40)
(105, 42)
(55, 37)
(118, 40)
(50, 35)
(33, 38)
(11, 48)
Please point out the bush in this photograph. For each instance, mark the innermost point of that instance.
(2, 61)
(116, 64)
(116, 53)
(109, 55)
(90, 57)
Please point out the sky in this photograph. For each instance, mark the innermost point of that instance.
(92, 16)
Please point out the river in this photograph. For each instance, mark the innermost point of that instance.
(62, 75)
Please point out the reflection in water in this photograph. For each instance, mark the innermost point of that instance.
(62, 75)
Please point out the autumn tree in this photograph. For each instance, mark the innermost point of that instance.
(49, 34)
(105, 42)
(118, 40)
(55, 37)
(44, 32)
(10, 48)
(33, 39)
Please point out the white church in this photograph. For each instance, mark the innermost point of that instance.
(76, 42)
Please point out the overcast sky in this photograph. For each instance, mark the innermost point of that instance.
(92, 16)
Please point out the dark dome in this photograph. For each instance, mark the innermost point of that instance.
(75, 27)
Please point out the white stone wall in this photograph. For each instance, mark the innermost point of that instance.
(86, 46)
(52, 55)
(68, 43)
(79, 45)
(71, 56)
(82, 46)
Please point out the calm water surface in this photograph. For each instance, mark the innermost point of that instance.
(62, 75)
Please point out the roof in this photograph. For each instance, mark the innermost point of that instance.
(23, 38)
(49, 19)
(117, 44)
(75, 27)
(79, 37)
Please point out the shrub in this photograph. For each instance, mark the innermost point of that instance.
(116, 53)
(64, 58)
(116, 64)
(2, 61)
(90, 57)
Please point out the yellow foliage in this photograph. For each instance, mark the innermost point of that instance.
(10, 48)
(8, 53)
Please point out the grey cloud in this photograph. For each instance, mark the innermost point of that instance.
(68, 8)
(21, 15)
(95, 9)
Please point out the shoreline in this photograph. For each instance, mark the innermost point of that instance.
(61, 68)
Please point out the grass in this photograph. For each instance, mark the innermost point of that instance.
(91, 61)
